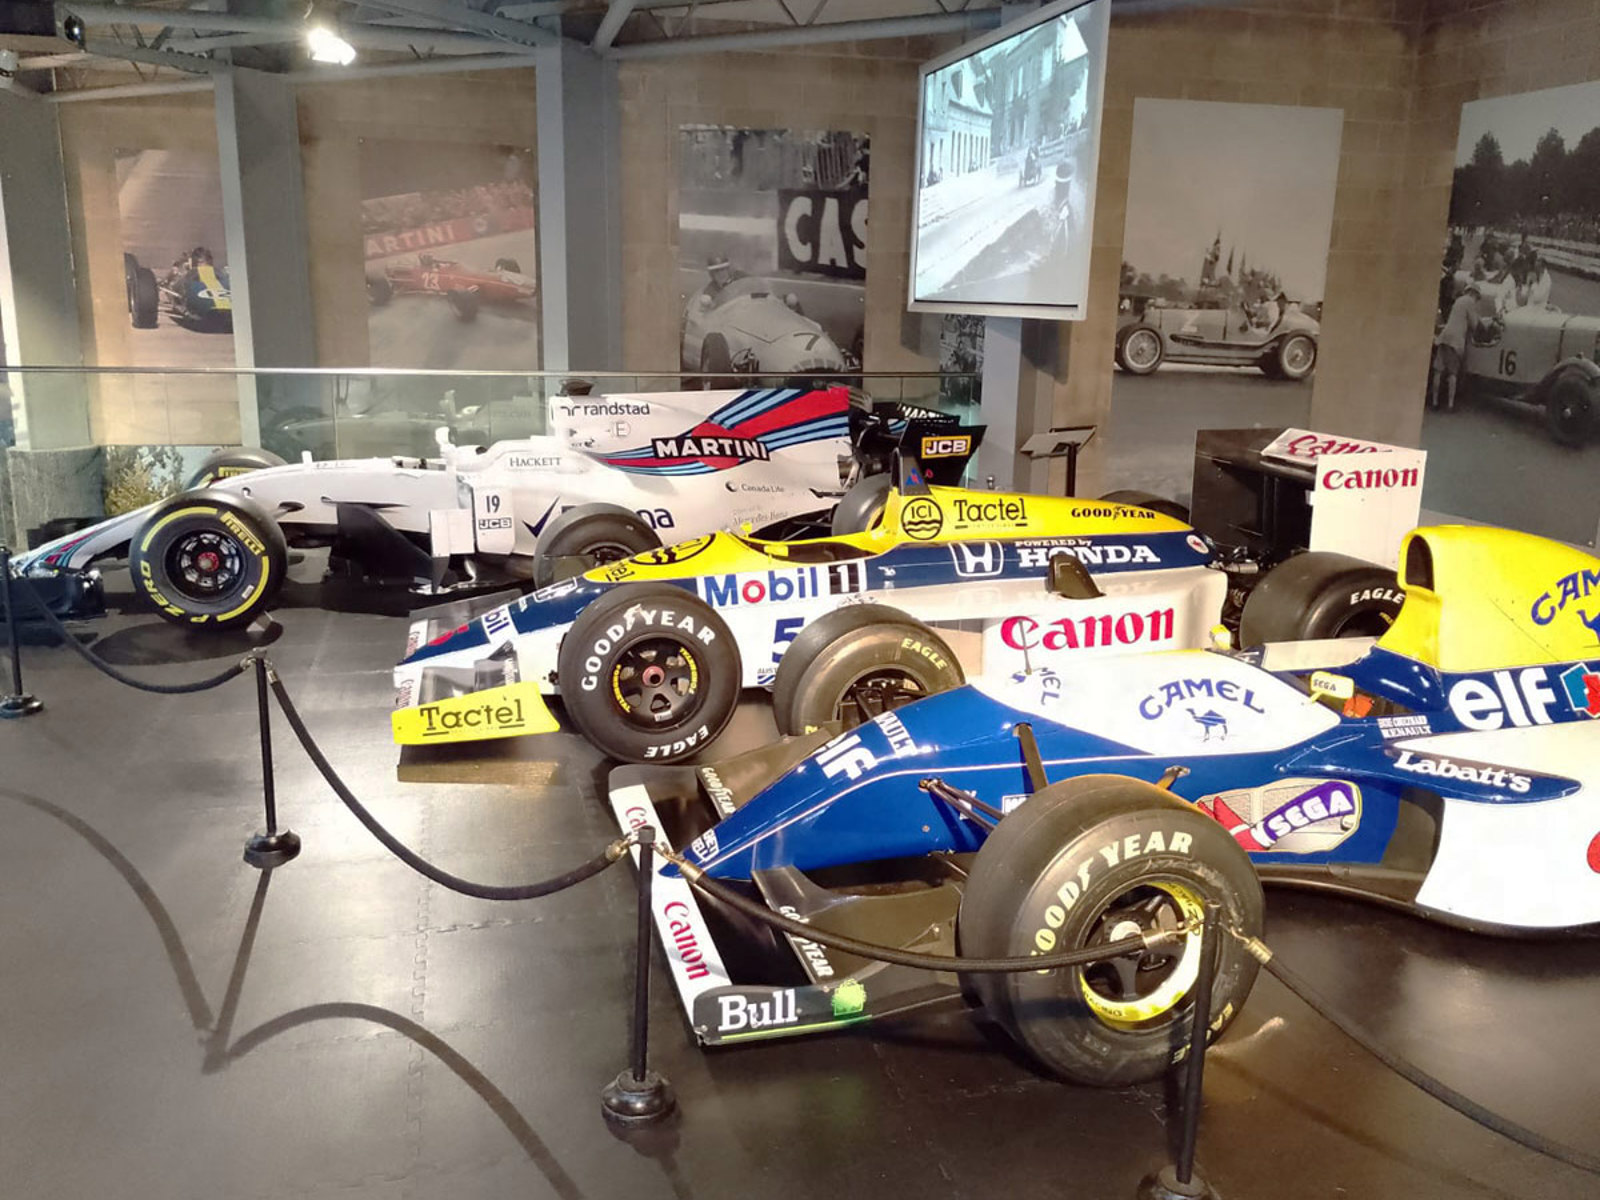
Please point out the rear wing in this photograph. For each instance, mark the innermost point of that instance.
(939, 445)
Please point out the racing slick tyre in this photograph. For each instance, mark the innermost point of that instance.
(208, 558)
(649, 673)
(861, 508)
(586, 537)
(379, 290)
(1571, 407)
(508, 264)
(225, 464)
(1294, 357)
(144, 296)
(1139, 349)
(1320, 595)
(464, 304)
(857, 662)
(1149, 500)
(1093, 860)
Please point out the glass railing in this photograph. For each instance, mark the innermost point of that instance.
(148, 428)
(350, 414)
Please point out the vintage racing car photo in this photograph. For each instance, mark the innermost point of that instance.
(619, 472)
(917, 588)
(1539, 356)
(465, 289)
(1446, 768)
(192, 292)
(749, 325)
(1227, 337)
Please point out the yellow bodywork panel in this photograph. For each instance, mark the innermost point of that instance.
(935, 516)
(1498, 599)
(508, 711)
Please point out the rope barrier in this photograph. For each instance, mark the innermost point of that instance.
(727, 897)
(105, 668)
(1414, 1074)
(1443, 1092)
(611, 854)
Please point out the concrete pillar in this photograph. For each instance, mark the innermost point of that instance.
(38, 296)
(580, 212)
(1022, 361)
(263, 209)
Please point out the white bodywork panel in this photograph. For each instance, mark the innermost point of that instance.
(1186, 703)
(533, 480)
(1494, 862)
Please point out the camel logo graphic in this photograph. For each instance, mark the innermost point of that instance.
(1211, 722)
(1592, 624)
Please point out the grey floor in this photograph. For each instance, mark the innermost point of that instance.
(174, 1025)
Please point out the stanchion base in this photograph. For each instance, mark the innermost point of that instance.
(1164, 1185)
(630, 1101)
(267, 850)
(12, 707)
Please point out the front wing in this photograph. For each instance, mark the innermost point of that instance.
(738, 981)
(437, 705)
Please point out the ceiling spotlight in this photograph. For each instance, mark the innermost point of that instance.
(323, 39)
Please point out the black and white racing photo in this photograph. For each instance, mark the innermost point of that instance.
(1007, 151)
(772, 241)
(1219, 304)
(1512, 380)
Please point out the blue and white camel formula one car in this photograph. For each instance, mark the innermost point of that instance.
(1448, 767)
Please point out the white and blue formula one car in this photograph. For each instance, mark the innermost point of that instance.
(1451, 768)
(618, 472)
(918, 588)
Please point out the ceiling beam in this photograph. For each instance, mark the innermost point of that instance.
(197, 64)
(461, 17)
(432, 66)
(129, 91)
(374, 37)
(810, 35)
(535, 9)
(617, 14)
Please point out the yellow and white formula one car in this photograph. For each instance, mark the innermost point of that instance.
(649, 655)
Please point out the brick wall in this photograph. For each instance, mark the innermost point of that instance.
(487, 108)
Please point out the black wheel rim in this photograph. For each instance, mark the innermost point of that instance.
(1146, 990)
(875, 693)
(655, 682)
(608, 552)
(205, 565)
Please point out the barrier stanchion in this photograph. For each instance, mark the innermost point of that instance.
(274, 847)
(1180, 1181)
(17, 703)
(640, 1096)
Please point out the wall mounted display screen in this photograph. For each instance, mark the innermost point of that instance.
(1008, 145)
